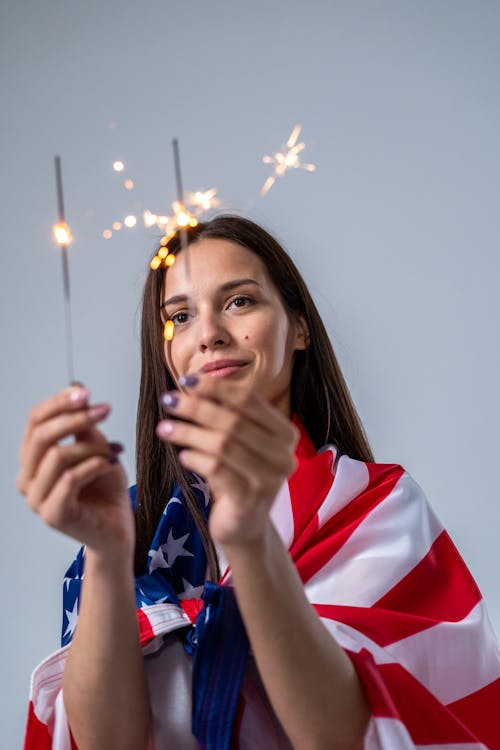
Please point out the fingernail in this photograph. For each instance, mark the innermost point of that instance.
(169, 400)
(189, 380)
(98, 411)
(79, 395)
(165, 428)
(116, 447)
(112, 459)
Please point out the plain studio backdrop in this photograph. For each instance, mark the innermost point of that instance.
(396, 232)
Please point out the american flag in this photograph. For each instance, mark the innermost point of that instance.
(385, 579)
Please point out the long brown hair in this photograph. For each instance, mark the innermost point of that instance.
(319, 394)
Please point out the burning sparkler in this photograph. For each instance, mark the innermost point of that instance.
(62, 236)
(284, 160)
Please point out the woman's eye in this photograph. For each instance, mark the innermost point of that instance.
(241, 301)
(179, 318)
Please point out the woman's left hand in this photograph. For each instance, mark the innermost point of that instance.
(240, 444)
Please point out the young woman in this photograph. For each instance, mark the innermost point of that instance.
(356, 625)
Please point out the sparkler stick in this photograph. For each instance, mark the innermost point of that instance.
(63, 237)
(183, 220)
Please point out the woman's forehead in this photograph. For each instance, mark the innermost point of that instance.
(212, 262)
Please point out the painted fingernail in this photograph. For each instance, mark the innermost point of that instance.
(189, 380)
(165, 428)
(79, 395)
(169, 400)
(98, 411)
(116, 447)
(112, 459)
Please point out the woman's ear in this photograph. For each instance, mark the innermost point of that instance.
(302, 337)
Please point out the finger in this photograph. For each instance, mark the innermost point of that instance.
(240, 397)
(57, 460)
(68, 400)
(62, 510)
(248, 445)
(262, 435)
(46, 433)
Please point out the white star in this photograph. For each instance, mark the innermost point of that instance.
(190, 591)
(72, 619)
(171, 502)
(203, 487)
(174, 548)
(157, 559)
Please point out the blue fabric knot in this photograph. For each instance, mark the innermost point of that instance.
(219, 667)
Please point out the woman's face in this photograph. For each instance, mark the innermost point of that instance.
(230, 320)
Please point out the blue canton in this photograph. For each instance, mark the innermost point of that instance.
(176, 567)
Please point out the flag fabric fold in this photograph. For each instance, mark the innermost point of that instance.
(381, 573)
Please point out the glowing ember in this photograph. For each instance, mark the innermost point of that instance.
(107, 234)
(162, 252)
(149, 219)
(117, 225)
(62, 234)
(168, 330)
(169, 260)
(284, 160)
(130, 221)
(155, 263)
(118, 166)
(129, 184)
(183, 218)
(203, 201)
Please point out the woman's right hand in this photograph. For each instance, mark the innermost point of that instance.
(78, 488)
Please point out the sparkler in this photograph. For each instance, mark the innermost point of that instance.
(289, 159)
(63, 238)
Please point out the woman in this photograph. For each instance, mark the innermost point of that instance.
(251, 390)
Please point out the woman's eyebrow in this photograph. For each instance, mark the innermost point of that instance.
(178, 298)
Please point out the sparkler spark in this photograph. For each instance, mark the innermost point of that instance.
(129, 184)
(118, 166)
(130, 221)
(62, 234)
(288, 159)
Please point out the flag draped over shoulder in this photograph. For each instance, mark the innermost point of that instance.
(380, 571)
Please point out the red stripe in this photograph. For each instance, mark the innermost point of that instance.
(146, 632)
(37, 735)
(451, 595)
(192, 607)
(481, 712)
(394, 693)
(380, 625)
(311, 554)
(309, 485)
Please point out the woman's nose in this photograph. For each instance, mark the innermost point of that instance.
(211, 333)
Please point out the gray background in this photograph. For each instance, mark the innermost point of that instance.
(396, 233)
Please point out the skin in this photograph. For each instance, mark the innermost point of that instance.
(234, 430)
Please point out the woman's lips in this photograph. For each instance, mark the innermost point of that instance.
(224, 371)
(223, 367)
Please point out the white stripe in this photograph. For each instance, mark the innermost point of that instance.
(391, 734)
(452, 659)
(60, 736)
(387, 734)
(165, 617)
(386, 546)
(351, 479)
(282, 515)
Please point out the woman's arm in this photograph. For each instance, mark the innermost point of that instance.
(80, 489)
(104, 685)
(309, 679)
(245, 449)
